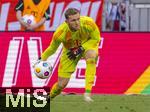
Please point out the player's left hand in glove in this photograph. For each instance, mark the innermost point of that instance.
(75, 52)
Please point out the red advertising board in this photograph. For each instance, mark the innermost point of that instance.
(123, 63)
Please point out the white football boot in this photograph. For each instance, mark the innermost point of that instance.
(87, 97)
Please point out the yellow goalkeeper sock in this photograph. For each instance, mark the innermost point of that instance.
(90, 74)
(56, 90)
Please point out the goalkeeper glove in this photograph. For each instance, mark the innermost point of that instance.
(75, 52)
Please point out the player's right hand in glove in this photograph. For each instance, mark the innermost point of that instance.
(75, 52)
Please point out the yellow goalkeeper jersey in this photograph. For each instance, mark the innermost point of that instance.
(88, 36)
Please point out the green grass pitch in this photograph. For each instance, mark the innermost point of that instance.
(102, 103)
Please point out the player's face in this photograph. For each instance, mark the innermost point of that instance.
(74, 22)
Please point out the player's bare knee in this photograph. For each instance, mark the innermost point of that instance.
(62, 84)
(90, 54)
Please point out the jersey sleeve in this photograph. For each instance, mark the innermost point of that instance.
(53, 45)
(94, 34)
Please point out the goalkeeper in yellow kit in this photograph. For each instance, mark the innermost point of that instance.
(80, 37)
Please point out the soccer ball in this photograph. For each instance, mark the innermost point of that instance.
(29, 19)
(42, 69)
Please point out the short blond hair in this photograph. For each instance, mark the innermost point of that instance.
(71, 11)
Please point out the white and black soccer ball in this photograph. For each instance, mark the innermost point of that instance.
(43, 69)
(29, 19)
